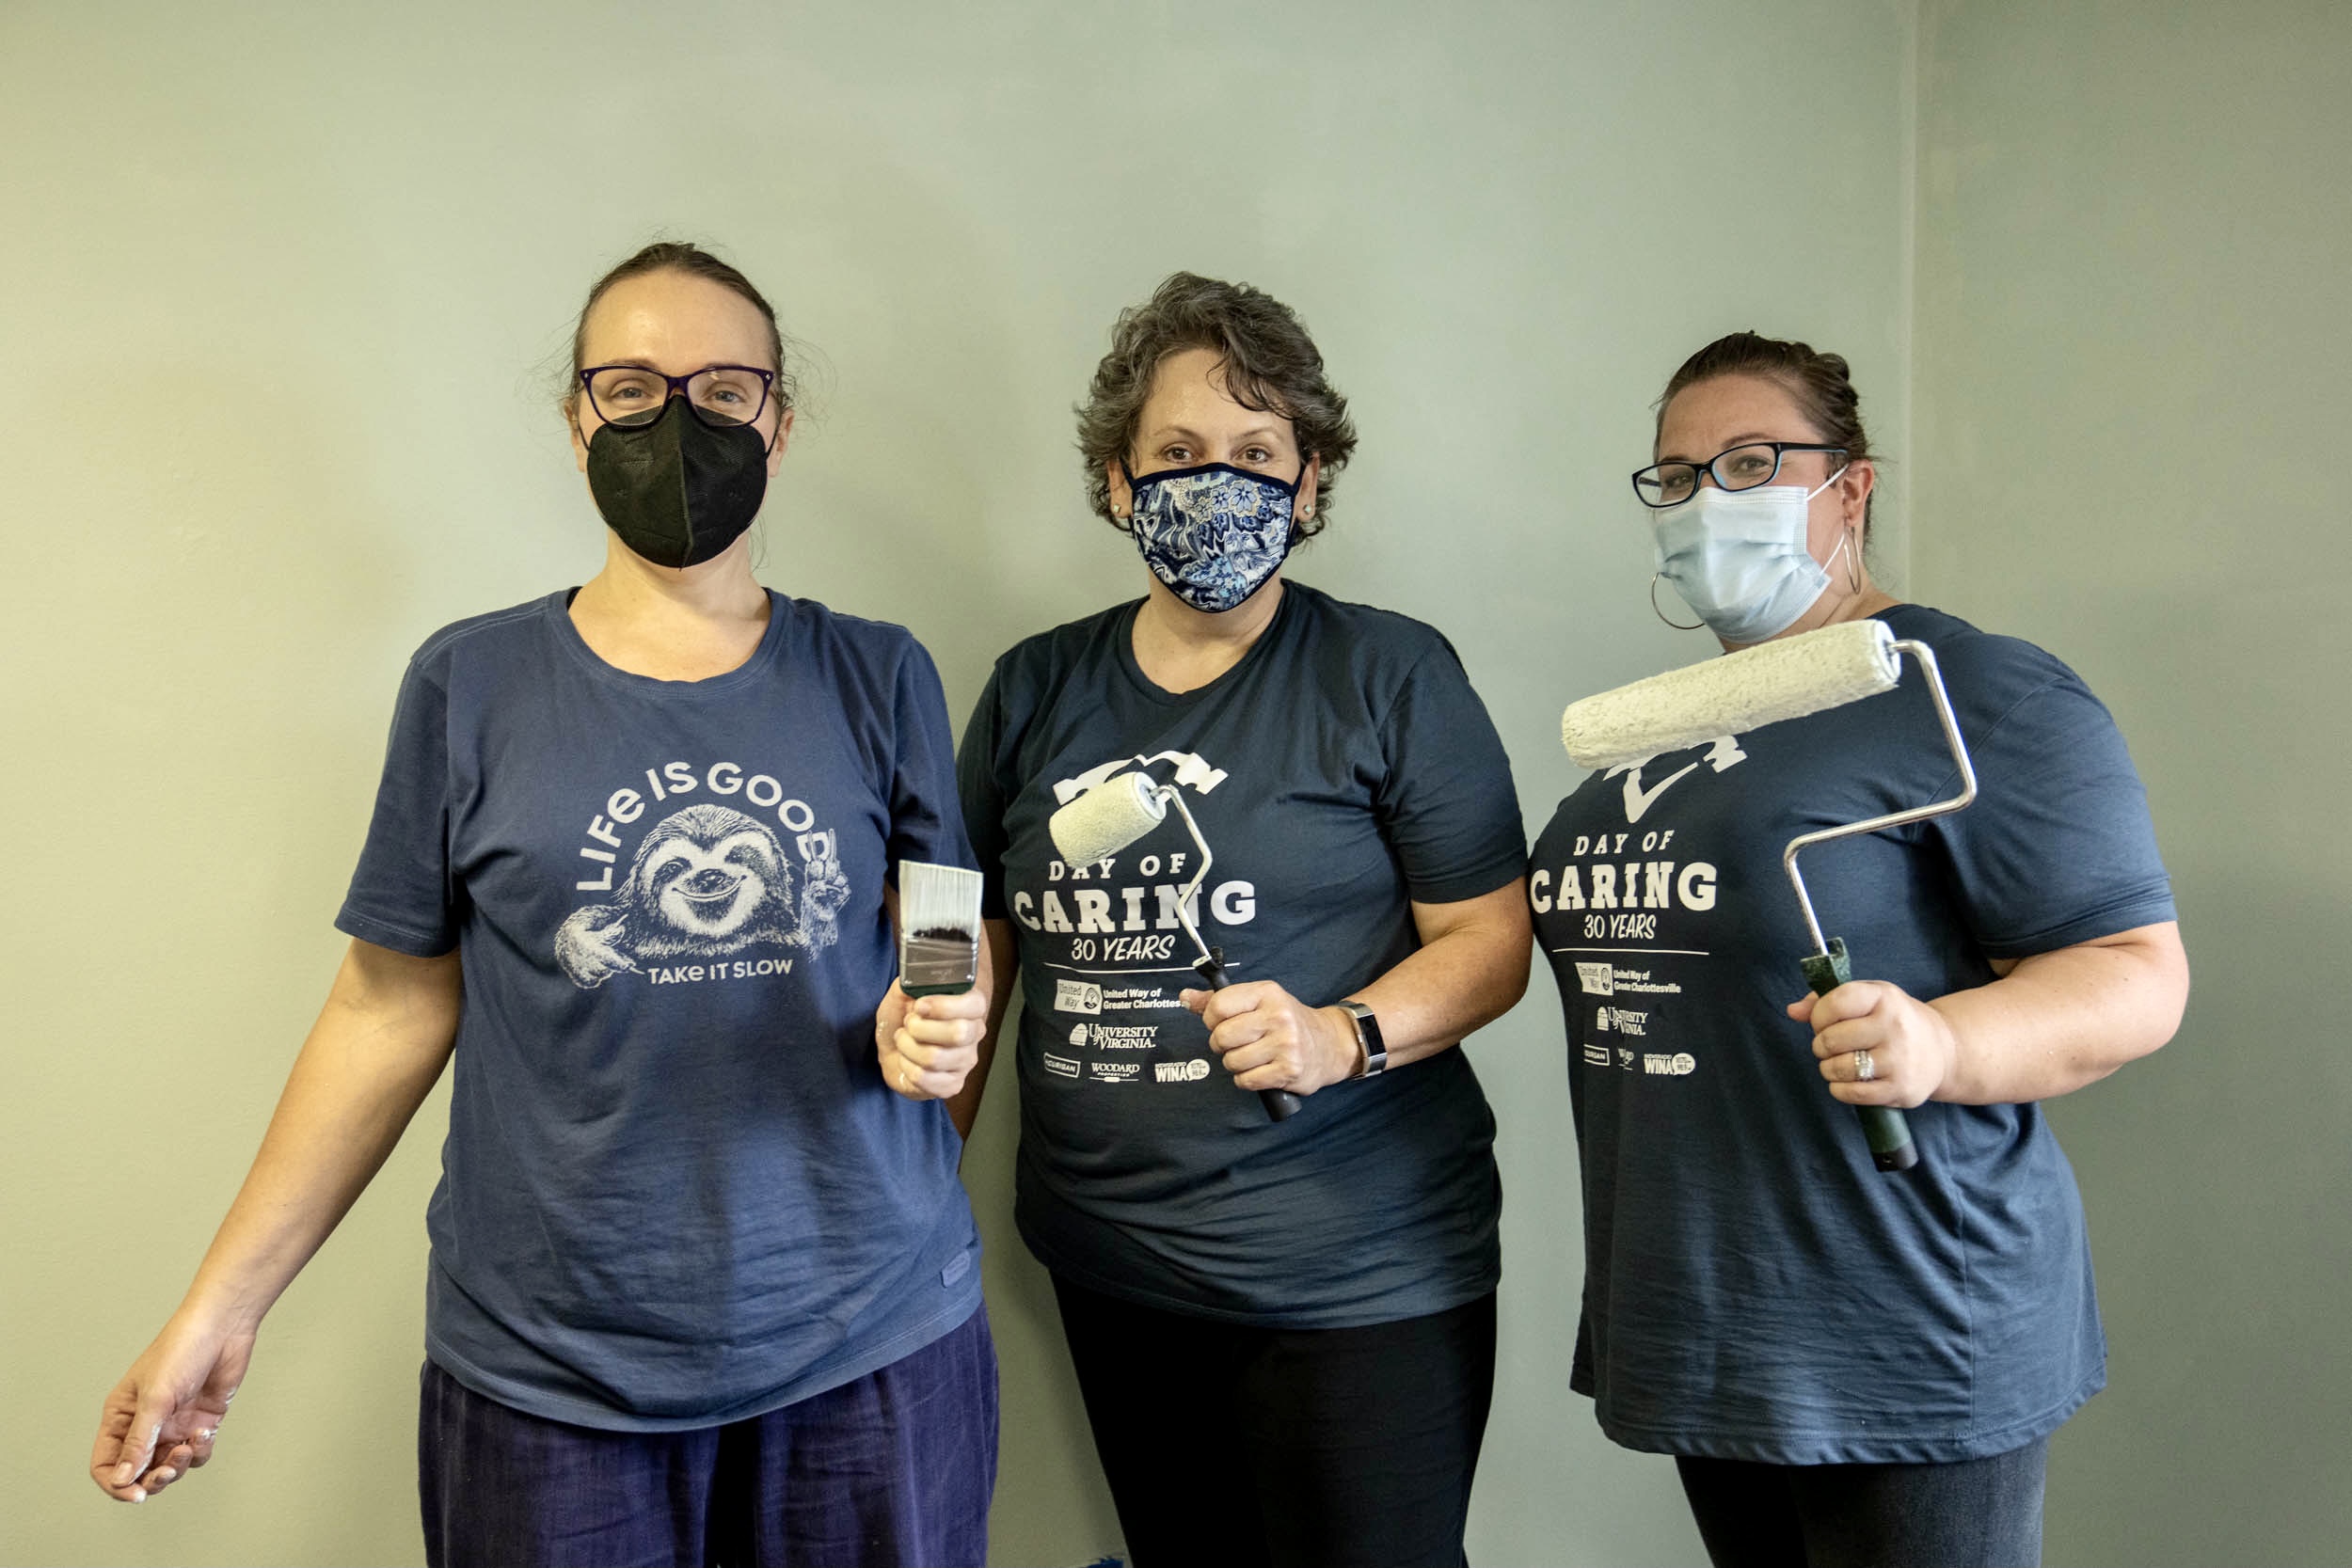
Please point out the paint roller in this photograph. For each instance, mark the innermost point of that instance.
(1764, 685)
(1114, 813)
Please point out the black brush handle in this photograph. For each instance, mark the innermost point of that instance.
(1281, 1104)
(1887, 1128)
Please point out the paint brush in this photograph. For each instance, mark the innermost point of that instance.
(939, 929)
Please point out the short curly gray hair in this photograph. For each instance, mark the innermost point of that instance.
(1269, 364)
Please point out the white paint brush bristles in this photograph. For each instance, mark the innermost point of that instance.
(1733, 694)
(939, 929)
(1106, 818)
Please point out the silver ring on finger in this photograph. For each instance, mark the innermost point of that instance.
(1864, 1067)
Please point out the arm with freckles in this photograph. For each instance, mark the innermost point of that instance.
(378, 1046)
(2045, 1026)
(1470, 968)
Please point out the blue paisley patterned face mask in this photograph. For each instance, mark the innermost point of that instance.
(1214, 534)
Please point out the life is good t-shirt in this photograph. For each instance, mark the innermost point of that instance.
(1341, 770)
(675, 1191)
(1755, 1289)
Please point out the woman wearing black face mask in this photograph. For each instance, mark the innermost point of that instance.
(1283, 1330)
(701, 1282)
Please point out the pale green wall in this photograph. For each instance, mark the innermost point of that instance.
(276, 283)
(2132, 350)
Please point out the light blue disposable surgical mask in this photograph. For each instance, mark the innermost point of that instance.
(1739, 558)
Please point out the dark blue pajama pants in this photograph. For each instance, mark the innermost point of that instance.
(892, 1468)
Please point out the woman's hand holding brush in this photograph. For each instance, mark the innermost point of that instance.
(928, 1045)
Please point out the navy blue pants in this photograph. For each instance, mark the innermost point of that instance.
(1233, 1447)
(1974, 1513)
(894, 1469)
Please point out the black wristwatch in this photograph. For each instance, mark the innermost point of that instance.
(1368, 1037)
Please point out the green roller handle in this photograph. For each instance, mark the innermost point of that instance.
(1887, 1128)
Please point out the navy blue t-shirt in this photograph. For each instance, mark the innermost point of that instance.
(1341, 770)
(675, 1189)
(1753, 1289)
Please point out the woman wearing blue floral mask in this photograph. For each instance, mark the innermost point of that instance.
(1298, 1313)
(1850, 1367)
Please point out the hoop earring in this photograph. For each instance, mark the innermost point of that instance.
(1853, 560)
(1662, 615)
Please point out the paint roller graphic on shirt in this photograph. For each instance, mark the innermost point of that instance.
(1746, 691)
(1114, 813)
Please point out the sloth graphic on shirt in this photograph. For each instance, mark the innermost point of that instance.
(708, 882)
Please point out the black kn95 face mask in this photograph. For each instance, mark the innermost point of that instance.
(677, 491)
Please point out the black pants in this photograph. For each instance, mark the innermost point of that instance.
(1270, 1447)
(1976, 1514)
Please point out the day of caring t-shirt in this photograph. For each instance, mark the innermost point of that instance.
(1342, 768)
(675, 1191)
(1754, 1288)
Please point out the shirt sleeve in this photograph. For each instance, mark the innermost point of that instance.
(925, 824)
(2058, 849)
(1447, 805)
(983, 793)
(402, 893)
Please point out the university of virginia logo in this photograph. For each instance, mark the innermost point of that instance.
(708, 882)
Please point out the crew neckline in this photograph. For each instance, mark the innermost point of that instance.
(1123, 637)
(559, 611)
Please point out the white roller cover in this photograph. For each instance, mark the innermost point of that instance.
(1106, 818)
(1732, 695)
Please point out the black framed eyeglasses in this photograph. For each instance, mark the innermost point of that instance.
(1740, 467)
(720, 395)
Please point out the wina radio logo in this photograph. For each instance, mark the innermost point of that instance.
(1677, 1066)
(1077, 996)
(1061, 1065)
(1181, 1072)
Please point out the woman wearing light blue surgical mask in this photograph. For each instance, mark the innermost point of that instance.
(1849, 1366)
(1761, 534)
(1308, 1302)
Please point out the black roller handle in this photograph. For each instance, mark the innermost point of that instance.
(1887, 1128)
(1281, 1104)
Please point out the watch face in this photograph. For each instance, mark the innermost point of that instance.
(1368, 1037)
